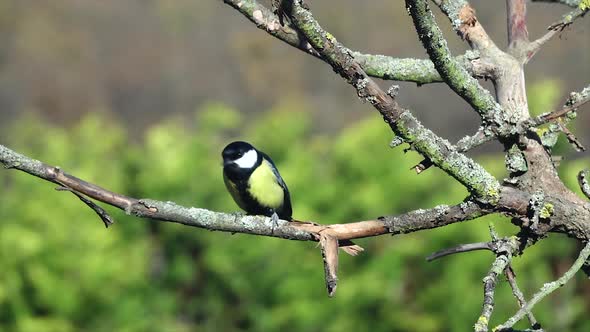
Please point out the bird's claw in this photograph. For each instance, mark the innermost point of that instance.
(275, 222)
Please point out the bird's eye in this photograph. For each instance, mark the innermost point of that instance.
(240, 154)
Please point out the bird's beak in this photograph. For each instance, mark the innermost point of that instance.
(226, 163)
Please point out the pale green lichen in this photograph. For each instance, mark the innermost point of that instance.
(330, 37)
(546, 211)
(481, 324)
(584, 5)
(515, 160)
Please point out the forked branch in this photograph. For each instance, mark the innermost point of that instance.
(420, 71)
(575, 100)
(553, 30)
(547, 289)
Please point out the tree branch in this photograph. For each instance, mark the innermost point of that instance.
(466, 24)
(504, 249)
(559, 214)
(400, 120)
(237, 223)
(561, 118)
(460, 249)
(420, 71)
(467, 143)
(571, 3)
(511, 277)
(266, 20)
(547, 289)
(575, 100)
(102, 214)
(438, 216)
(454, 75)
(532, 48)
(571, 138)
(567, 217)
(517, 30)
(489, 282)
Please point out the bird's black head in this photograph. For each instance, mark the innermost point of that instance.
(240, 155)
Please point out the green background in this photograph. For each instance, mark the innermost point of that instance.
(61, 270)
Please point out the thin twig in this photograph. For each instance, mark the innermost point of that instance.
(104, 216)
(570, 3)
(561, 118)
(467, 143)
(572, 139)
(554, 29)
(483, 135)
(490, 281)
(504, 249)
(547, 289)
(460, 249)
(575, 100)
(511, 277)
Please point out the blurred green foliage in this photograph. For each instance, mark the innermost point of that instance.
(62, 271)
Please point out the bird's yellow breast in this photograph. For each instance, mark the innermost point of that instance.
(264, 187)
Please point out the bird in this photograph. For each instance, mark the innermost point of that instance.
(254, 182)
(256, 185)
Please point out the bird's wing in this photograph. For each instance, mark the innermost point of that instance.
(275, 171)
(287, 209)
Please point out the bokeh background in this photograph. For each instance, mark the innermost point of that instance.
(141, 96)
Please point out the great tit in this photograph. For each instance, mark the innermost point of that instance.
(254, 182)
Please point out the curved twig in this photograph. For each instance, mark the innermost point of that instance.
(460, 249)
(107, 220)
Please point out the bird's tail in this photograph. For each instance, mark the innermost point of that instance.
(346, 245)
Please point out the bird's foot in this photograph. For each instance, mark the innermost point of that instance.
(275, 222)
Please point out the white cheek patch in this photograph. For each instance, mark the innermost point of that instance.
(248, 160)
